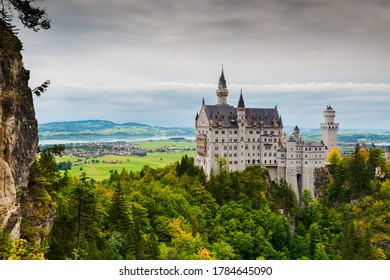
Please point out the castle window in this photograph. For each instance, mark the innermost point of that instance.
(216, 148)
(235, 132)
(216, 140)
(265, 161)
(216, 132)
(272, 132)
(216, 156)
(270, 154)
(223, 131)
(230, 132)
(265, 154)
(258, 132)
(275, 140)
(230, 148)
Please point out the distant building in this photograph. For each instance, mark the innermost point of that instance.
(363, 148)
(254, 136)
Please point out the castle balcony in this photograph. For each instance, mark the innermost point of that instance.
(201, 145)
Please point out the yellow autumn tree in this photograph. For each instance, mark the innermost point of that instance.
(21, 250)
(334, 155)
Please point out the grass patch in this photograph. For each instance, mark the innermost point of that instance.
(102, 170)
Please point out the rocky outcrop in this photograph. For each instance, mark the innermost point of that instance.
(18, 132)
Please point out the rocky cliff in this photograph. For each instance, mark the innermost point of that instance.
(18, 131)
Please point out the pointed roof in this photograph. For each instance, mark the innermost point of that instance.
(241, 103)
(197, 116)
(329, 108)
(296, 128)
(280, 120)
(222, 81)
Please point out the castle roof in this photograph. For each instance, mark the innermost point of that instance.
(227, 115)
(329, 108)
(222, 81)
(241, 101)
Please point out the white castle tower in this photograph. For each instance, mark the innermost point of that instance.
(329, 129)
(222, 91)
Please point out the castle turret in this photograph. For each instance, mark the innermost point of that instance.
(329, 129)
(387, 154)
(296, 133)
(222, 91)
(241, 108)
(242, 123)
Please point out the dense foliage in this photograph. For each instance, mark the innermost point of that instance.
(176, 213)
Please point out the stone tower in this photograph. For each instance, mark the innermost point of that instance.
(387, 154)
(329, 129)
(222, 91)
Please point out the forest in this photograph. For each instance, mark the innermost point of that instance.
(176, 213)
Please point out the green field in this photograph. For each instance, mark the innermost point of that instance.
(155, 144)
(101, 170)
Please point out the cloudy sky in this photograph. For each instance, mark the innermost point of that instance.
(152, 61)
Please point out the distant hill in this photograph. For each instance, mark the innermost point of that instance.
(99, 130)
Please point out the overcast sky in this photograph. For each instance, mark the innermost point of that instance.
(152, 61)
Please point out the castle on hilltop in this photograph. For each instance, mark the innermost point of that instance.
(254, 136)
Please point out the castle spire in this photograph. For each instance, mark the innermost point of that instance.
(222, 91)
(222, 81)
(241, 103)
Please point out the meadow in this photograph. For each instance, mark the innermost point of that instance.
(100, 168)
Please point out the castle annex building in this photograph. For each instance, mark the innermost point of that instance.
(254, 136)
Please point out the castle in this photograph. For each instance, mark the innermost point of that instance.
(254, 136)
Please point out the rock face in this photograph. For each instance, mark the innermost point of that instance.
(18, 132)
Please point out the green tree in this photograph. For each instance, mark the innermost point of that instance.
(30, 14)
(5, 245)
(89, 215)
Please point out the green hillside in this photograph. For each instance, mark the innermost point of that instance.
(99, 130)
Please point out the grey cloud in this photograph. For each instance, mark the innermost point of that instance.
(105, 43)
